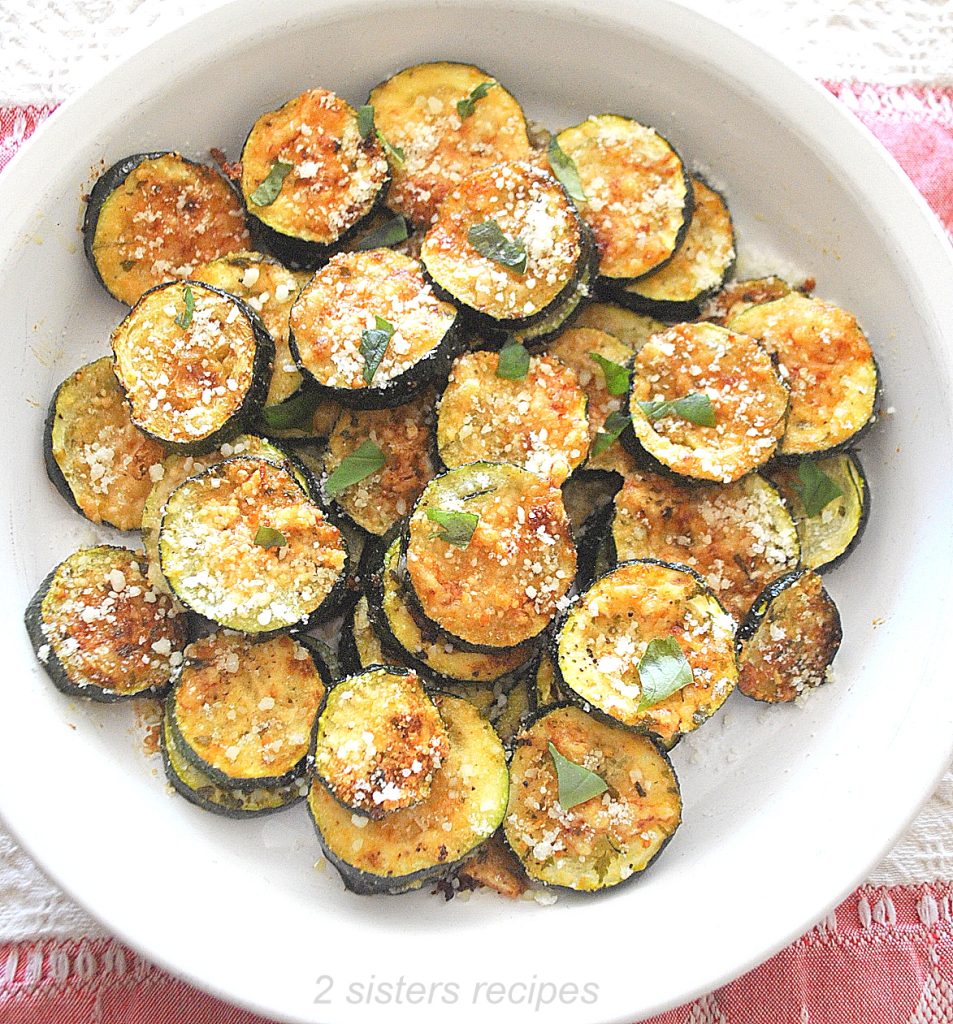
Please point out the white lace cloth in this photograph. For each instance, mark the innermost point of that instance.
(51, 48)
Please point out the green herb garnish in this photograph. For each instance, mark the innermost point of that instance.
(617, 375)
(295, 411)
(389, 233)
(267, 537)
(576, 784)
(696, 408)
(465, 107)
(365, 120)
(267, 191)
(455, 528)
(353, 468)
(662, 670)
(564, 167)
(184, 319)
(395, 153)
(615, 423)
(373, 345)
(489, 241)
(815, 488)
(513, 363)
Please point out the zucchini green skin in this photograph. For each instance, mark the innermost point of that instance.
(594, 542)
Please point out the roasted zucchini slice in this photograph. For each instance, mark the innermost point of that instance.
(404, 435)
(737, 296)
(369, 331)
(638, 197)
(194, 363)
(101, 463)
(101, 630)
(548, 690)
(359, 646)
(828, 365)
(193, 784)
(738, 536)
(379, 741)
(507, 244)
(309, 177)
(494, 866)
(153, 217)
(831, 531)
(632, 329)
(595, 843)
(788, 641)
(698, 268)
(404, 849)
(537, 421)
(602, 644)
(418, 112)
(490, 556)
(586, 494)
(738, 383)
(243, 712)
(243, 545)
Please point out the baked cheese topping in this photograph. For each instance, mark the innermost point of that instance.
(335, 177)
(506, 585)
(211, 559)
(246, 708)
(738, 536)
(737, 375)
(538, 423)
(344, 299)
(636, 192)
(168, 216)
(827, 363)
(107, 624)
(380, 742)
(527, 204)
(632, 329)
(416, 110)
(606, 634)
(184, 383)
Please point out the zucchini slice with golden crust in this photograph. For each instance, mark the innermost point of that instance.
(379, 741)
(603, 638)
(404, 435)
(154, 217)
(826, 360)
(494, 866)
(540, 250)
(339, 316)
(538, 422)
(194, 363)
(831, 532)
(738, 536)
(789, 639)
(243, 712)
(504, 583)
(309, 177)
(416, 110)
(101, 630)
(632, 329)
(747, 399)
(737, 296)
(606, 839)
(638, 201)
(404, 849)
(698, 268)
(101, 463)
(241, 544)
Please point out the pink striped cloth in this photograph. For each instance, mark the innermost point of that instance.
(885, 956)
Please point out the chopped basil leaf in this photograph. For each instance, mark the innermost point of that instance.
(373, 345)
(564, 167)
(355, 467)
(489, 241)
(455, 528)
(295, 411)
(365, 120)
(696, 408)
(662, 670)
(465, 107)
(267, 537)
(184, 319)
(615, 423)
(815, 488)
(267, 191)
(389, 233)
(395, 153)
(617, 375)
(513, 363)
(576, 784)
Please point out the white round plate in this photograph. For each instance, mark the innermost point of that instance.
(785, 808)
